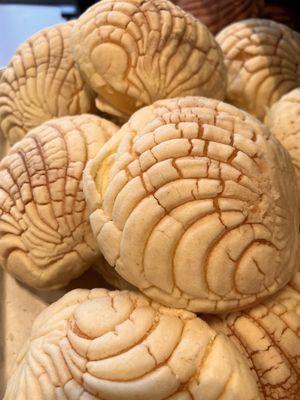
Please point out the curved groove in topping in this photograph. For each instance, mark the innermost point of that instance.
(187, 205)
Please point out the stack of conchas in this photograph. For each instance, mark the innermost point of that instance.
(125, 157)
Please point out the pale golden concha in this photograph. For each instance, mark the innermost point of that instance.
(269, 336)
(218, 14)
(45, 236)
(283, 120)
(263, 63)
(101, 345)
(41, 82)
(195, 203)
(134, 52)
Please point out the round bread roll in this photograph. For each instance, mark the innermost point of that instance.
(218, 14)
(283, 120)
(41, 82)
(134, 52)
(45, 236)
(96, 345)
(195, 203)
(263, 63)
(269, 336)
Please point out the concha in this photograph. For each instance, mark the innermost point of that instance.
(218, 14)
(134, 52)
(96, 345)
(42, 82)
(263, 63)
(269, 336)
(45, 236)
(194, 202)
(283, 120)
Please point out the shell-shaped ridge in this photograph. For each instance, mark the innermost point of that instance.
(283, 120)
(263, 63)
(269, 336)
(192, 203)
(100, 345)
(45, 237)
(135, 52)
(41, 82)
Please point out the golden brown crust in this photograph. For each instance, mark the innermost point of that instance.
(134, 52)
(269, 335)
(41, 82)
(263, 63)
(194, 202)
(45, 237)
(99, 345)
(283, 120)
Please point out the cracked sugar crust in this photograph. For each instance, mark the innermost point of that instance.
(101, 345)
(283, 120)
(218, 14)
(263, 63)
(134, 52)
(269, 336)
(45, 236)
(41, 82)
(195, 203)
